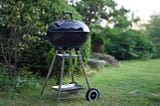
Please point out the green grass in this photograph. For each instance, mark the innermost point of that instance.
(134, 83)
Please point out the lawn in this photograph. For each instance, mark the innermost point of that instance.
(133, 83)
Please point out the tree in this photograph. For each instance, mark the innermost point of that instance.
(153, 30)
(95, 10)
(18, 22)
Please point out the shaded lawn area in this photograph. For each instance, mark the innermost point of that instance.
(134, 83)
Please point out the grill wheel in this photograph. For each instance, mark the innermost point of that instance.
(92, 94)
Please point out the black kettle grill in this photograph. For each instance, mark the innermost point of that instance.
(66, 35)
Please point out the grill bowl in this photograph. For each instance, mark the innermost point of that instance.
(67, 34)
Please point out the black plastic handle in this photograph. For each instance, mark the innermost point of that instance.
(66, 12)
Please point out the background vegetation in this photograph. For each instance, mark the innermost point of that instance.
(153, 32)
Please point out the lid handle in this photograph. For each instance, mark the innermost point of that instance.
(66, 12)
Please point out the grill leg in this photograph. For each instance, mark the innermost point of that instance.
(61, 76)
(84, 71)
(49, 72)
(71, 65)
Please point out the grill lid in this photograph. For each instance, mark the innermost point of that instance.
(68, 25)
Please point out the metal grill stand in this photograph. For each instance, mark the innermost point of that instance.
(92, 94)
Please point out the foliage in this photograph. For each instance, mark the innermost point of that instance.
(24, 82)
(34, 57)
(19, 21)
(53, 9)
(5, 83)
(96, 11)
(153, 31)
(98, 39)
(27, 81)
(120, 19)
(129, 44)
(86, 50)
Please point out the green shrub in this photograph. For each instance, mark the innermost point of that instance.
(97, 39)
(35, 54)
(129, 44)
(86, 50)
(153, 31)
(26, 81)
(5, 82)
(23, 81)
(24, 84)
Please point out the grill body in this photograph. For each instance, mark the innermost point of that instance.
(67, 40)
(67, 34)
